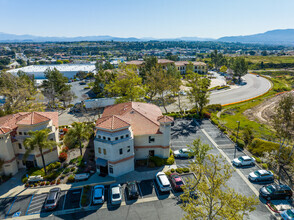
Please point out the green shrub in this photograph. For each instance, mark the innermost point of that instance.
(167, 173)
(259, 146)
(186, 170)
(65, 165)
(240, 143)
(52, 176)
(172, 170)
(179, 170)
(264, 166)
(257, 159)
(72, 169)
(71, 179)
(170, 160)
(233, 138)
(24, 180)
(213, 108)
(151, 164)
(157, 161)
(57, 165)
(50, 167)
(67, 170)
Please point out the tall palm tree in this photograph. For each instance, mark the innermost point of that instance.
(38, 140)
(78, 133)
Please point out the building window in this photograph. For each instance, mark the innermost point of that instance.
(127, 135)
(20, 133)
(104, 151)
(129, 149)
(110, 169)
(109, 139)
(104, 138)
(99, 150)
(116, 138)
(151, 139)
(121, 137)
(151, 153)
(121, 151)
(19, 146)
(25, 133)
(99, 136)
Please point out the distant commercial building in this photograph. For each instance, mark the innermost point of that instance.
(128, 132)
(14, 130)
(198, 67)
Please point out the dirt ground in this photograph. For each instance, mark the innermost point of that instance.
(265, 110)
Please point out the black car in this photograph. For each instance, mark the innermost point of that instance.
(132, 190)
(275, 191)
(52, 199)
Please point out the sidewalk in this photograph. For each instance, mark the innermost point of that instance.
(14, 184)
(20, 189)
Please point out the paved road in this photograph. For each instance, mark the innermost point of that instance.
(255, 86)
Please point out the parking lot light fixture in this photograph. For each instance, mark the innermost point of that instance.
(236, 145)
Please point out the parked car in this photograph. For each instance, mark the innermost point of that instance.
(98, 194)
(276, 191)
(182, 153)
(115, 194)
(52, 199)
(132, 190)
(261, 175)
(288, 214)
(176, 181)
(244, 161)
(162, 181)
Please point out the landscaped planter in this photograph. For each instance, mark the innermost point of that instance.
(86, 196)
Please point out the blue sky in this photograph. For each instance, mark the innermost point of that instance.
(145, 18)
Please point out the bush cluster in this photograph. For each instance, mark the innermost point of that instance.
(62, 156)
(71, 179)
(259, 146)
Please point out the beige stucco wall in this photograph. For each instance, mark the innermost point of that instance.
(49, 158)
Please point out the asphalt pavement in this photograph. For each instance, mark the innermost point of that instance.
(185, 131)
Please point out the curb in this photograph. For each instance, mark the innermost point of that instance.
(275, 211)
(253, 97)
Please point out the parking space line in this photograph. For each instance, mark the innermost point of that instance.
(237, 170)
(155, 188)
(10, 207)
(141, 194)
(64, 201)
(29, 205)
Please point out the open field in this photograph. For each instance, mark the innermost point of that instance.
(270, 59)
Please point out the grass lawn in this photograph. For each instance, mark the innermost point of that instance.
(234, 113)
(270, 59)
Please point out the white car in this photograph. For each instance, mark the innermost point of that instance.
(182, 153)
(98, 194)
(115, 194)
(288, 214)
(244, 161)
(163, 182)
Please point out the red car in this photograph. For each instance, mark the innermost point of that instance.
(176, 181)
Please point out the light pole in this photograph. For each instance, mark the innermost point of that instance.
(236, 145)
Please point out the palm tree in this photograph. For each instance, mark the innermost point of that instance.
(1, 163)
(38, 140)
(78, 133)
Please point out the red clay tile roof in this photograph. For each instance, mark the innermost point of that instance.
(135, 62)
(142, 117)
(4, 130)
(27, 118)
(163, 61)
(111, 123)
(165, 118)
(195, 63)
(31, 118)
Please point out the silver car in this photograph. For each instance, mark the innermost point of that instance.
(52, 199)
(261, 175)
(115, 194)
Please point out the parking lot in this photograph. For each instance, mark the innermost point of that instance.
(70, 200)
(185, 131)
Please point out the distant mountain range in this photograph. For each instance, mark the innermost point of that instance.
(283, 37)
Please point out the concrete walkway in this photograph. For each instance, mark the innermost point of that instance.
(14, 184)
